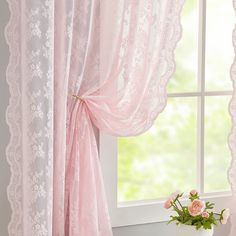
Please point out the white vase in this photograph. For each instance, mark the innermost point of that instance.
(186, 230)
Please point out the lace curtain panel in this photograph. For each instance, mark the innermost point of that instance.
(76, 64)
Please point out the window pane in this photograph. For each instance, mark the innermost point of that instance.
(219, 50)
(217, 154)
(163, 159)
(186, 54)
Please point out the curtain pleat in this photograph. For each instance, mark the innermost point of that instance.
(77, 64)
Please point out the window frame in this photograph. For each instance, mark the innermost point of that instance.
(137, 212)
(149, 211)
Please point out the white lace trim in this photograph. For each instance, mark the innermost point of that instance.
(232, 136)
(13, 152)
(173, 36)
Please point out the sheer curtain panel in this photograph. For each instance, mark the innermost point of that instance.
(74, 65)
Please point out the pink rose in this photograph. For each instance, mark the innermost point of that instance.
(168, 203)
(196, 208)
(225, 216)
(205, 214)
(175, 194)
(194, 192)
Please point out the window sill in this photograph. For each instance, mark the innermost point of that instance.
(144, 212)
(139, 212)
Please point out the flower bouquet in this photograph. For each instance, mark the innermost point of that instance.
(197, 218)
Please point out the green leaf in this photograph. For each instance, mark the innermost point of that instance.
(209, 206)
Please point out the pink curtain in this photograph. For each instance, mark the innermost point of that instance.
(119, 68)
(77, 64)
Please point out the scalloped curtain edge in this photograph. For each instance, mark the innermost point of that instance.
(232, 135)
(12, 38)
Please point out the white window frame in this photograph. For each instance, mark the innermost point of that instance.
(148, 211)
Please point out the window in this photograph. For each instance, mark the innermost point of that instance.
(187, 146)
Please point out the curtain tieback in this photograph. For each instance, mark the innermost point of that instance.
(78, 97)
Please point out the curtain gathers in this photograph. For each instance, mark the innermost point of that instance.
(76, 64)
(117, 82)
(122, 99)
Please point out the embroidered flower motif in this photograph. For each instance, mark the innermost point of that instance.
(36, 70)
(35, 29)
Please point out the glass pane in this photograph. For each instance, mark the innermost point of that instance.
(219, 49)
(186, 54)
(217, 153)
(163, 159)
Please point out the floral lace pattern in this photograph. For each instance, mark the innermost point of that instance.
(142, 45)
(30, 117)
(59, 49)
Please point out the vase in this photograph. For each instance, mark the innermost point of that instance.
(188, 230)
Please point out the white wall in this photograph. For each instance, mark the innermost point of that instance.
(157, 229)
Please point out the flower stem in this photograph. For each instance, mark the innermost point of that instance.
(180, 204)
(216, 214)
(176, 208)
